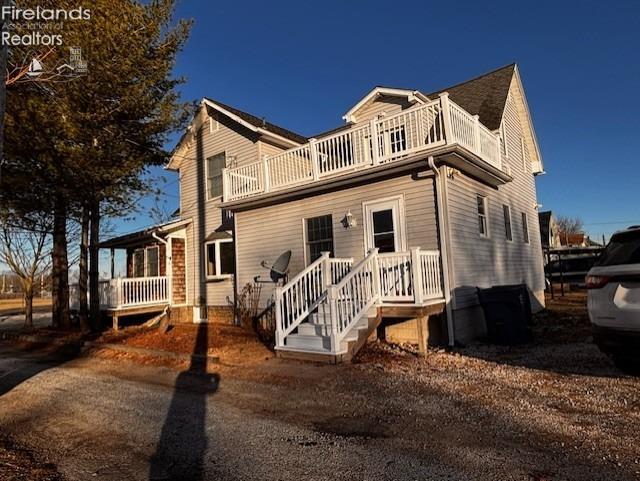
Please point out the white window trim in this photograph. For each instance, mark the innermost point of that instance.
(305, 245)
(146, 271)
(510, 222)
(485, 202)
(367, 208)
(206, 175)
(217, 243)
(214, 125)
(525, 224)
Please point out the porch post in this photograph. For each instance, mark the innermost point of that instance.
(332, 295)
(278, 308)
(313, 153)
(168, 269)
(416, 276)
(113, 265)
(326, 269)
(476, 134)
(265, 169)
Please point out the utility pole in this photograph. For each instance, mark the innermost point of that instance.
(3, 84)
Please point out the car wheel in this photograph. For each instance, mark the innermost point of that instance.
(627, 365)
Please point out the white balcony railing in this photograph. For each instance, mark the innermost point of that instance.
(412, 131)
(123, 293)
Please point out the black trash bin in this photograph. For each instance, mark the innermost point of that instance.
(507, 312)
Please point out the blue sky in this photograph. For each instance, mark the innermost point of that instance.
(303, 65)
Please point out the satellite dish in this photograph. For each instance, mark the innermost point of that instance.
(35, 68)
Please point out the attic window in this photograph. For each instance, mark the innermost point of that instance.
(214, 125)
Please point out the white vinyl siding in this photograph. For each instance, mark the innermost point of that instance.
(498, 261)
(265, 233)
(240, 147)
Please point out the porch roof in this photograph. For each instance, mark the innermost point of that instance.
(143, 236)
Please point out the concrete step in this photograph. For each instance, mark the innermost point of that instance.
(314, 329)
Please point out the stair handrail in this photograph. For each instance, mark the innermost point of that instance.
(359, 290)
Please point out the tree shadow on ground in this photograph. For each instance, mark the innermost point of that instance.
(30, 360)
(181, 449)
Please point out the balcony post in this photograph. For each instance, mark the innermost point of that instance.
(446, 116)
(375, 145)
(476, 134)
(225, 184)
(265, 170)
(313, 154)
(416, 276)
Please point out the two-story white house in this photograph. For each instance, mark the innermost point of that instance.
(400, 213)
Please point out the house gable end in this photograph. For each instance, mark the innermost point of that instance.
(396, 99)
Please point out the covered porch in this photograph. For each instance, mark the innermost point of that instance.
(154, 273)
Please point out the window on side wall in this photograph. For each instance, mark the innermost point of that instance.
(215, 164)
(525, 228)
(152, 261)
(220, 259)
(483, 223)
(506, 210)
(319, 235)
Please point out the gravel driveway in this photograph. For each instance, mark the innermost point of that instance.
(545, 411)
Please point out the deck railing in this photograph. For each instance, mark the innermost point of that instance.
(128, 292)
(412, 131)
(346, 291)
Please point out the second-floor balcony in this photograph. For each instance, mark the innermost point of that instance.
(418, 131)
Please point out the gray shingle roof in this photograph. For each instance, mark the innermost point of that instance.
(258, 122)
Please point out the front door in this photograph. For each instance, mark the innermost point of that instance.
(384, 225)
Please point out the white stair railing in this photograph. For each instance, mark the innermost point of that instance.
(339, 268)
(352, 297)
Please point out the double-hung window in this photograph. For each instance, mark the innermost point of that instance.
(220, 258)
(525, 228)
(506, 210)
(215, 164)
(138, 263)
(483, 211)
(319, 236)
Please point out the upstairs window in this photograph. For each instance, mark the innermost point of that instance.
(215, 164)
(506, 210)
(483, 224)
(319, 236)
(525, 228)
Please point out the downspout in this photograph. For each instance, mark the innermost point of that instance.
(446, 260)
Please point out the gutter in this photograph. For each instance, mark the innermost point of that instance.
(443, 221)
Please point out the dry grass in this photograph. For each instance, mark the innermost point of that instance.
(17, 305)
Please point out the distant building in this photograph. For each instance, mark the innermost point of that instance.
(549, 231)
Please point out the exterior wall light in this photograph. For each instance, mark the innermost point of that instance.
(349, 221)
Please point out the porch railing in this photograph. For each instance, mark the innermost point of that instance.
(128, 292)
(387, 139)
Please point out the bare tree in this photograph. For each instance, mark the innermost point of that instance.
(27, 252)
(570, 225)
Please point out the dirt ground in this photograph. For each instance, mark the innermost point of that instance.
(18, 464)
(553, 409)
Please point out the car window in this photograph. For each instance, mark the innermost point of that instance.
(624, 248)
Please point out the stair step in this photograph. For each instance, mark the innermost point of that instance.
(313, 329)
(313, 342)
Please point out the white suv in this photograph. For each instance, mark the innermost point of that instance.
(614, 299)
